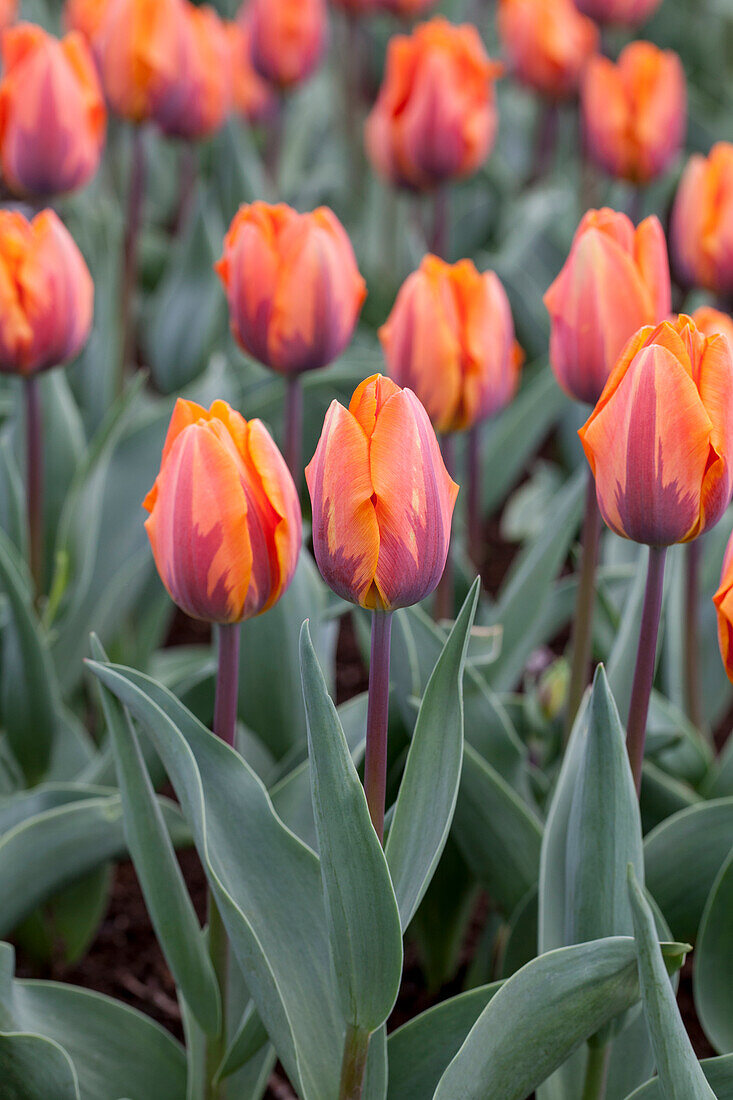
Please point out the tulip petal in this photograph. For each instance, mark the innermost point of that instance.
(279, 493)
(716, 392)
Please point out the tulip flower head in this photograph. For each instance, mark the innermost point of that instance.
(660, 439)
(252, 96)
(615, 280)
(723, 600)
(46, 294)
(635, 111)
(224, 522)
(435, 118)
(711, 321)
(548, 44)
(292, 284)
(382, 499)
(196, 103)
(289, 38)
(702, 221)
(49, 88)
(450, 338)
(8, 13)
(85, 16)
(623, 13)
(139, 47)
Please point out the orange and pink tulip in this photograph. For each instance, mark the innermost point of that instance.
(548, 44)
(252, 97)
(85, 16)
(195, 104)
(382, 499)
(635, 111)
(702, 221)
(723, 600)
(435, 118)
(711, 321)
(224, 518)
(623, 13)
(49, 88)
(289, 38)
(139, 50)
(660, 439)
(292, 284)
(46, 294)
(615, 280)
(450, 338)
(8, 13)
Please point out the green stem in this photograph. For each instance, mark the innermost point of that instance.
(443, 608)
(34, 478)
(375, 761)
(596, 1072)
(135, 200)
(645, 662)
(353, 1066)
(585, 605)
(293, 429)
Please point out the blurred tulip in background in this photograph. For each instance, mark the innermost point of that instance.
(289, 38)
(702, 220)
(626, 13)
(139, 46)
(547, 43)
(253, 97)
(196, 104)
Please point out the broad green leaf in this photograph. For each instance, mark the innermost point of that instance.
(249, 1039)
(520, 946)
(718, 1073)
(269, 891)
(150, 846)
(34, 1068)
(713, 973)
(420, 1050)
(499, 836)
(427, 796)
(682, 858)
(541, 1015)
(19, 807)
(375, 1076)
(63, 928)
(677, 1065)
(361, 908)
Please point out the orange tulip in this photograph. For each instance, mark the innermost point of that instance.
(548, 43)
(382, 498)
(710, 321)
(85, 16)
(615, 280)
(52, 115)
(702, 220)
(660, 440)
(450, 338)
(435, 118)
(253, 97)
(635, 111)
(195, 105)
(292, 284)
(625, 13)
(723, 600)
(224, 523)
(139, 47)
(288, 38)
(46, 294)
(8, 13)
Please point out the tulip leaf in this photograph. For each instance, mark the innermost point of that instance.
(34, 1068)
(682, 857)
(677, 1065)
(718, 1073)
(712, 977)
(149, 843)
(363, 918)
(249, 1039)
(420, 1050)
(268, 887)
(541, 1015)
(424, 808)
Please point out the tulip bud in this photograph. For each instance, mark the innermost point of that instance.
(635, 111)
(224, 523)
(548, 43)
(46, 294)
(660, 440)
(252, 97)
(450, 338)
(615, 280)
(624, 13)
(84, 16)
(52, 115)
(196, 103)
(8, 13)
(702, 220)
(711, 321)
(435, 118)
(723, 600)
(288, 38)
(382, 499)
(292, 284)
(139, 48)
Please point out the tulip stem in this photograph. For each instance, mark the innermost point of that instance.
(584, 607)
(596, 1072)
(375, 761)
(135, 199)
(693, 695)
(439, 236)
(294, 427)
(443, 608)
(353, 1066)
(645, 662)
(227, 683)
(475, 533)
(34, 478)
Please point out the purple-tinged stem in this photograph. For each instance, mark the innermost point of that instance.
(227, 683)
(443, 608)
(293, 429)
(34, 477)
(693, 693)
(439, 235)
(584, 607)
(475, 527)
(353, 1066)
(375, 762)
(645, 662)
(135, 200)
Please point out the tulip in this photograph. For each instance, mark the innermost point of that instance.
(8, 13)
(195, 105)
(702, 221)
(49, 88)
(723, 600)
(635, 111)
(625, 13)
(85, 16)
(224, 522)
(711, 321)
(435, 118)
(548, 43)
(288, 38)
(615, 280)
(252, 97)
(139, 47)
